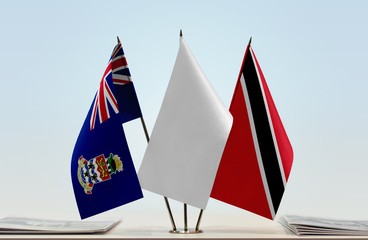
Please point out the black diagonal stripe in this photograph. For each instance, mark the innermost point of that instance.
(263, 131)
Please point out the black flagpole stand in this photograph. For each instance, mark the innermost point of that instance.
(166, 200)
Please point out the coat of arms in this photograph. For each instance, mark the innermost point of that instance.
(97, 170)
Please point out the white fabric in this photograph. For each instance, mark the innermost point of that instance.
(188, 138)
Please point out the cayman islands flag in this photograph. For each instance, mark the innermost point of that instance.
(102, 170)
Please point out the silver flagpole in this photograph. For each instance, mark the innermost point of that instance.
(165, 198)
(185, 205)
(147, 138)
(199, 220)
(201, 212)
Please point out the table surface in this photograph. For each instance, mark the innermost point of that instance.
(219, 226)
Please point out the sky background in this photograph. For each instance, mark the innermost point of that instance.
(313, 55)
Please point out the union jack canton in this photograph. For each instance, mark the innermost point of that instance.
(117, 68)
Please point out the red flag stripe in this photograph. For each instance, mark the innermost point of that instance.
(112, 97)
(102, 105)
(121, 82)
(119, 64)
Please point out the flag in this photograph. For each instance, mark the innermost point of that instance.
(188, 137)
(257, 159)
(102, 170)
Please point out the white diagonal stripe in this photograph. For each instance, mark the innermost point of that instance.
(256, 146)
(119, 68)
(121, 77)
(118, 57)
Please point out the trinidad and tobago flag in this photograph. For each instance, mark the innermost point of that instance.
(258, 156)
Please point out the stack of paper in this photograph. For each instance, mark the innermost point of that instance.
(42, 226)
(322, 226)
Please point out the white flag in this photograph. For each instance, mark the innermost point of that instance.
(188, 138)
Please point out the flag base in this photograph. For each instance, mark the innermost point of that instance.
(182, 231)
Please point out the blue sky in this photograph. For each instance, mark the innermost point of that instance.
(312, 53)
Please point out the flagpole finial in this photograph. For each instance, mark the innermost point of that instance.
(181, 33)
(250, 41)
(118, 39)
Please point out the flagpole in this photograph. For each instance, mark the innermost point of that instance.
(185, 205)
(145, 129)
(165, 198)
(199, 220)
(185, 218)
(147, 138)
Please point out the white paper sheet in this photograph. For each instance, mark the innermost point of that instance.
(37, 226)
(322, 226)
